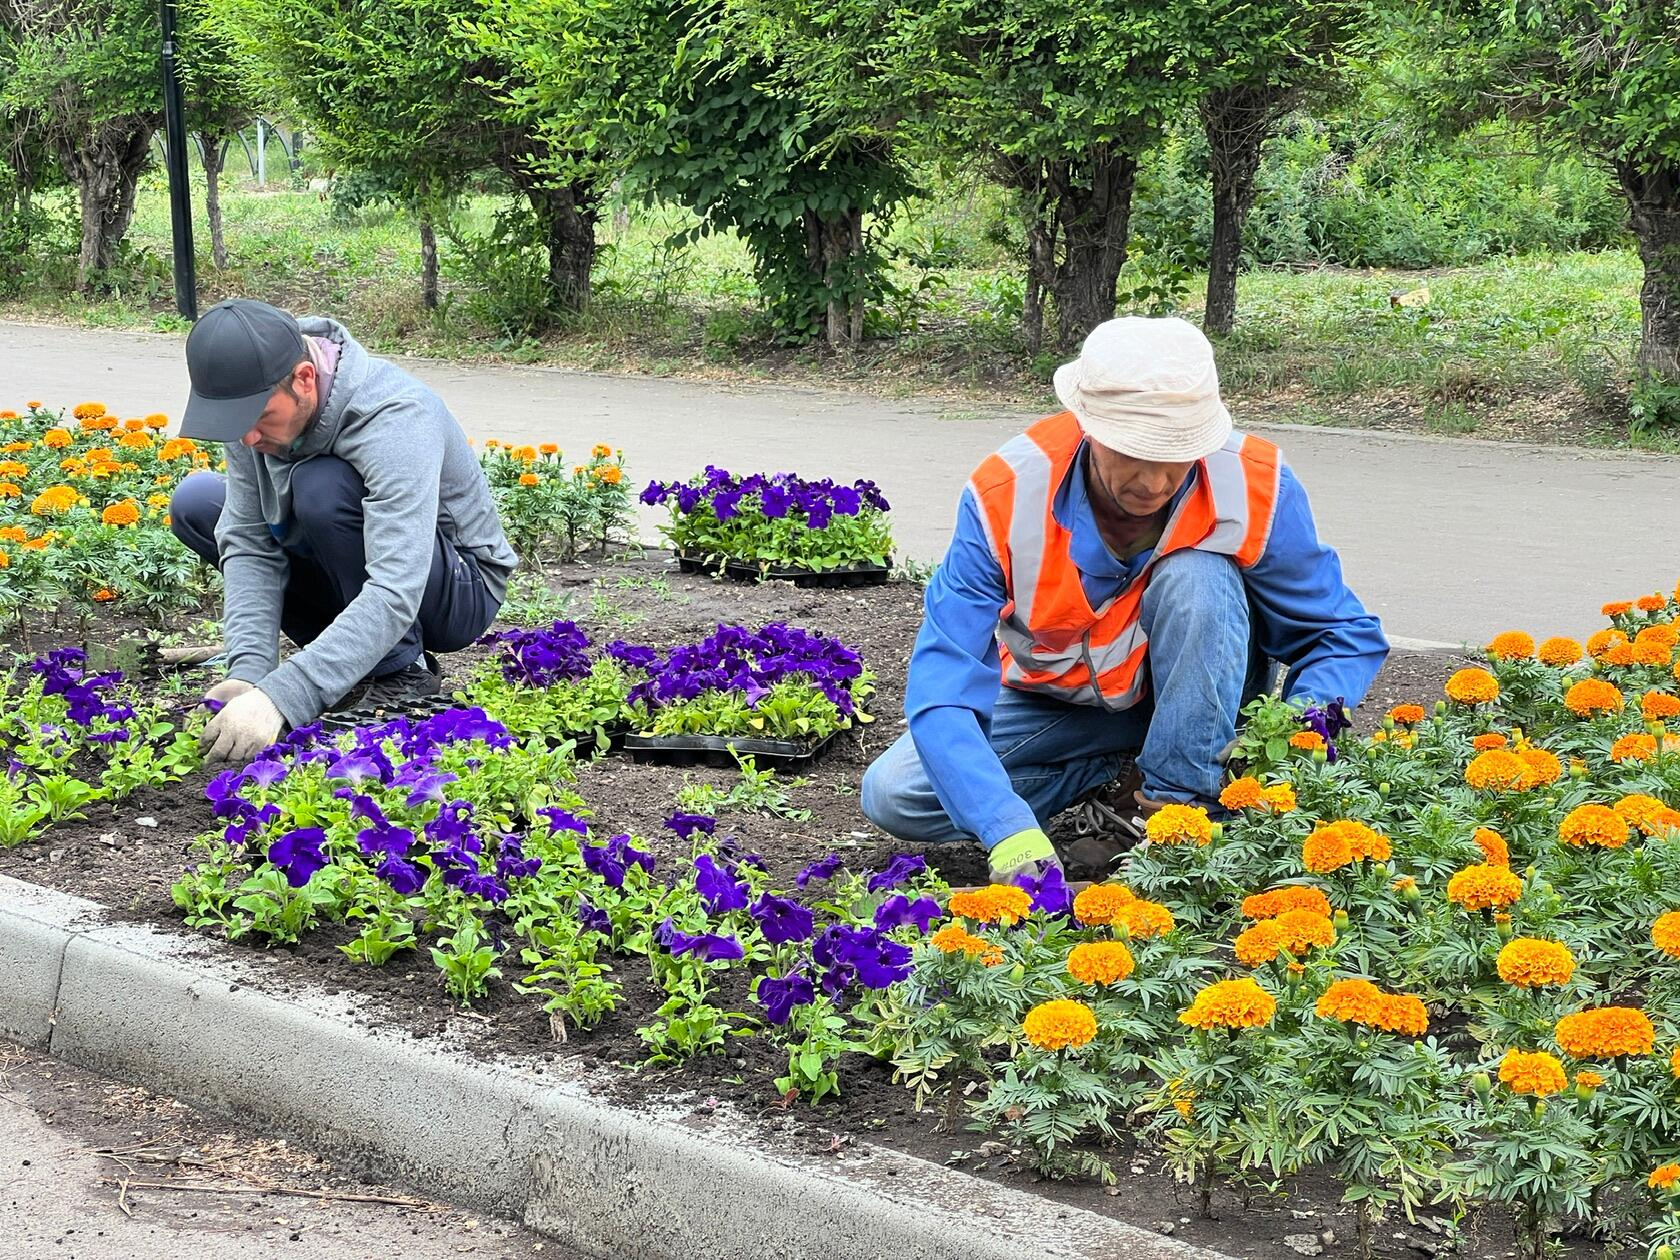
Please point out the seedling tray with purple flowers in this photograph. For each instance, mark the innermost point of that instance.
(726, 751)
(841, 576)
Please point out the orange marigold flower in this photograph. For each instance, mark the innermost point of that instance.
(1533, 1072)
(953, 938)
(1674, 1062)
(57, 438)
(13, 469)
(104, 595)
(600, 451)
(1406, 714)
(122, 513)
(1663, 633)
(1655, 706)
(1485, 887)
(1664, 1177)
(529, 479)
(1060, 1025)
(5, 560)
(611, 475)
(84, 411)
(177, 448)
(1352, 1001)
(1592, 695)
(1616, 607)
(1244, 793)
(1665, 933)
(1473, 686)
(1143, 919)
(549, 448)
(157, 420)
(1280, 798)
(1641, 811)
(54, 500)
(1302, 930)
(13, 534)
(135, 441)
(1594, 824)
(1618, 654)
(1496, 770)
(1495, 852)
(1651, 603)
(1639, 747)
(1231, 1004)
(995, 903)
(1100, 962)
(1179, 824)
(1559, 651)
(1493, 739)
(1603, 640)
(1259, 944)
(1402, 1013)
(1100, 903)
(1326, 849)
(1588, 1080)
(8, 490)
(1605, 1032)
(1540, 767)
(1311, 741)
(1268, 905)
(99, 424)
(1531, 963)
(1656, 655)
(1511, 645)
(525, 454)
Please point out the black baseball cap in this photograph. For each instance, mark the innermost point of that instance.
(237, 354)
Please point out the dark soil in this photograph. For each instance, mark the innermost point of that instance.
(127, 859)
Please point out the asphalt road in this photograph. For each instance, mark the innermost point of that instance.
(1449, 541)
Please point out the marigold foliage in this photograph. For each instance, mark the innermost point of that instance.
(1473, 686)
(1060, 1025)
(1605, 1032)
(1100, 962)
(1531, 963)
(1533, 1072)
(1231, 1004)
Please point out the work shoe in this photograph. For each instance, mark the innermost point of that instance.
(395, 691)
(1104, 824)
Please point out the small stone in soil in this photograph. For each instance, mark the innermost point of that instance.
(145, 822)
(1164, 1227)
(1304, 1244)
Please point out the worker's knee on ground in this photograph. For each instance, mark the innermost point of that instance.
(324, 490)
(1200, 585)
(194, 509)
(875, 794)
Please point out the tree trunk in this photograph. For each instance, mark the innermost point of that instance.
(1237, 121)
(210, 143)
(834, 245)
(105, 167)
(568, 214)
(1093, 209)
(1653, 197)
(428, 264)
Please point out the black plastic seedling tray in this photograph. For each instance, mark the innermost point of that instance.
(721, 750)
(850, 575)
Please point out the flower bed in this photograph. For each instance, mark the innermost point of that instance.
(777, 526)
(552, 511)
(84, 504)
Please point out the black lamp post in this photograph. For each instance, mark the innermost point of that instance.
(175, 157)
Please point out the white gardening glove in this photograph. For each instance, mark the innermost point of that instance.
(246, 725)
(228, 689)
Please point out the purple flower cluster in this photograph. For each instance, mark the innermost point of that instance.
(778, 494)
(86, 695)
(737, 659)
(541, 657)
(1329, 721)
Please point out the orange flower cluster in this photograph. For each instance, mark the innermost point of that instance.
(1651, 603)
(1636, 747)
(1060, 1025)
(1650, 815)
(1559, 652)
(1591, 696)
(1230, 1004)
(1358, 1001)
(996, 903)
(1602, 643)
(1531, 963)
(1665, 933)
(1495, 852)
(1540, 766)
(1144, 919)
(1473, 686)
(1268, 905)
(1655, 706)
(954, 938)
(1334, 845)
(122, 513)
(1101, 903)
(1512, 645)
(54, 500)
(1496, 771)
(1406, 714)
(1594, 825)
(1244, 793)
(1310, 741)
(1605, 1032)
(1294, 931)
(1533, 1072)
(1179, 824)
(1484, 887)
(1100, 962)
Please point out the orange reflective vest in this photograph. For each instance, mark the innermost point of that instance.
(1050, 638)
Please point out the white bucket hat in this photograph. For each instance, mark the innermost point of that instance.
(1147, 388)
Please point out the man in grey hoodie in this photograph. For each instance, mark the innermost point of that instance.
(353, 517)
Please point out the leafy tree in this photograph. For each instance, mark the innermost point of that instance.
(1603, 75)
(220, 99)
(397, 89)
(1056, 99)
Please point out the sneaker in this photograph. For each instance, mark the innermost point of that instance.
(407, 686)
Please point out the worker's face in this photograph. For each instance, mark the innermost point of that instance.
(286, 414)
(1141, 487)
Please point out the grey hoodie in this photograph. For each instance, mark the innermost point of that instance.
(421, 477)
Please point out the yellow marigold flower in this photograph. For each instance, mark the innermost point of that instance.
(5, 560)
(1143, 919)
(1602, 641)
(1231, 1004)
(1531, 963)
(1280, 798)
(1496, 770)
(1664, 1177)
(1402, 1013)
(529, 479)
(124, 512)
(1244, 793)
(1406, 714)
(1657, 655)
(1493, 739)
(87, 410)
(1100, 903)
(1559, 652)
(1495, 852)
(1655, 706)
(995, 903)
(1533, 1072)
(13, 534)
(1352, 1001)
(525, 454)
(1100, 962)
(1311, 741)
(1301, 930)
(1511, 645)
(1183, 1100)
(1268, 905)
(1473, 686)
(1060, 1025)
(1484, 887)
(13, 469)
(13, 448)
(1179, 824)
(1594, 824)
(157, 500)
(1665, 933)
(57, 438)
(1638, 747)
(1605, 1032)
(10, 491)
(54, 500)
(133, 426)
(1590, 696)
(1260, 943)
(1651, 603)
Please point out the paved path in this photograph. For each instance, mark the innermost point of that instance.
(1447, 540)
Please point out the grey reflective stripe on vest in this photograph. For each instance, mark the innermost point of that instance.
(1228, 481)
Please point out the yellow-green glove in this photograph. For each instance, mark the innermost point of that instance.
(1023, 850)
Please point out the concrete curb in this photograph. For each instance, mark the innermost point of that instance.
(176, 1014)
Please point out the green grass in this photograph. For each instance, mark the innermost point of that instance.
(1537, 345)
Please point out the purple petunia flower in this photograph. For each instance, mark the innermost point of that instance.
(707, 946)
(562, 820)
(822, 868)
(386, 839)
(298, 854)
(781, 919)
(266, 771)
(613, 860)
(1329, 721)
(1050, 893)
(901, 868)
(403, 876)
(898, 910)
(779, 997)
(593, 919)
(633, 655)
(866, 955)
(685, 825)
(511, 862)
(718, 887)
